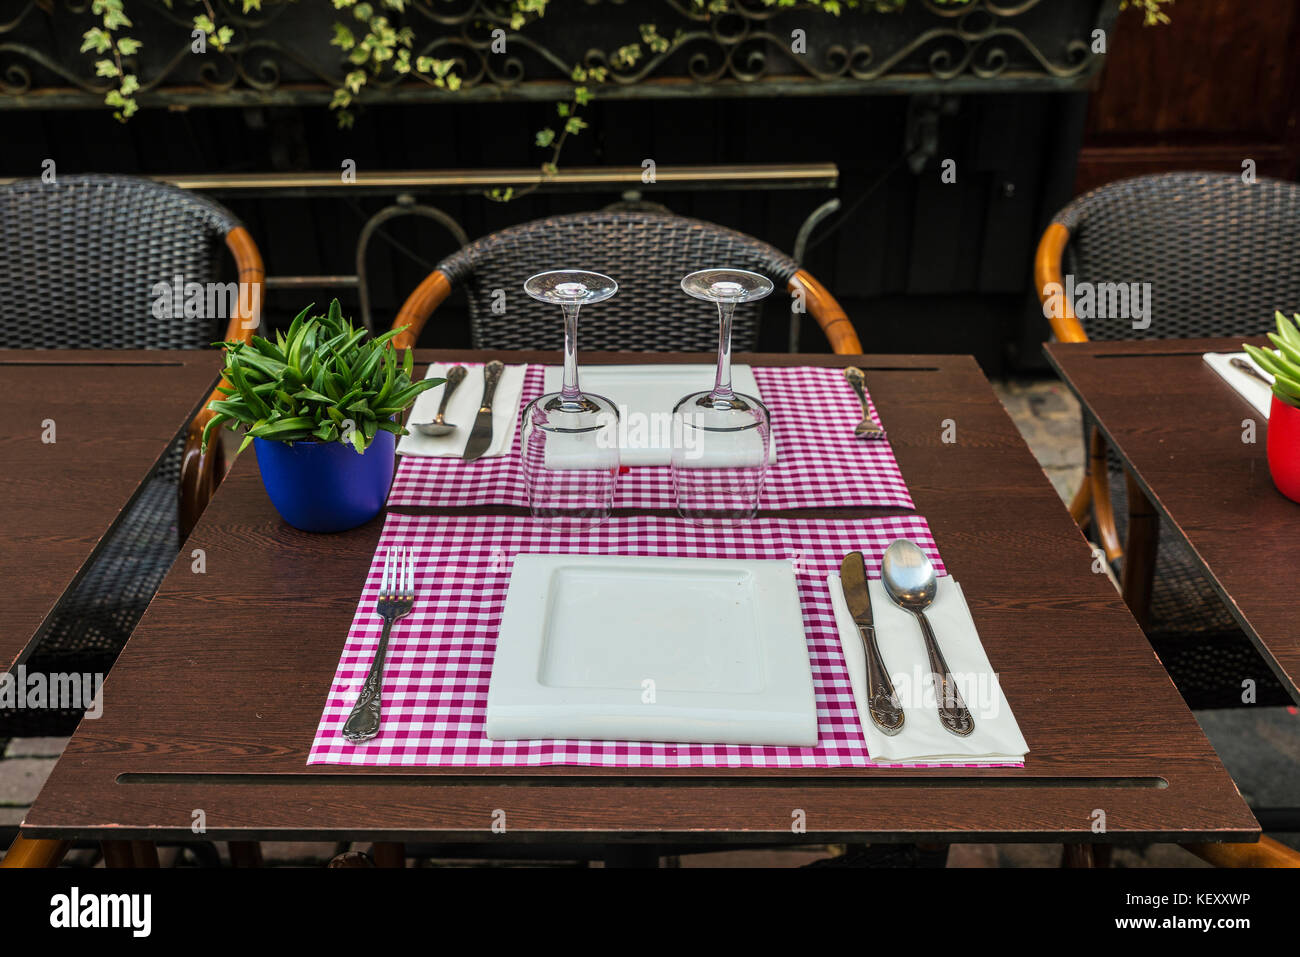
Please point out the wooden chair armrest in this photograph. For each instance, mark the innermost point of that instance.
(1098, 478)
(1047, 273)
(252, 279)
(1267, 853)
(828, 313)
(26, 852)
(202, 472)
(419, 306)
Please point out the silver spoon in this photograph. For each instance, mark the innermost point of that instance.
(455, 376)
(910, 581)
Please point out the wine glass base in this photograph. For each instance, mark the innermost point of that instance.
(570, 460)
(735, 412)
(579, 406)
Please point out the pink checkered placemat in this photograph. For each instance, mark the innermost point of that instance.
(440, 656)
(819, 464)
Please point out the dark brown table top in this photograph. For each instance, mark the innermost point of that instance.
(1178, 427)
(215, 700)
(114, 413)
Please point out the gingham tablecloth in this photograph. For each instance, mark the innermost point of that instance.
(819, 463)
(440, 656)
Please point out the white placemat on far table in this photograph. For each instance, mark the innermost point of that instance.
(462, 410)
(923, 739)
(1247, 386)
(645, 396)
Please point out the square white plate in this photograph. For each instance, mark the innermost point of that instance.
(645, 396)
(616, 648)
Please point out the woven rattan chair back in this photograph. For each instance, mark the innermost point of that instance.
(82, 260)
(1220, 254)
(647, 253)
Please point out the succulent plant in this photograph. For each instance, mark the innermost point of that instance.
(1282, 363)
(324, 380)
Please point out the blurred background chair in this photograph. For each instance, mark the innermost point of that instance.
(647, 253)
(80, 263)
(1221, 255)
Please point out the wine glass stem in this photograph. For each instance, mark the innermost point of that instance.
(569, 391)
(722, 384)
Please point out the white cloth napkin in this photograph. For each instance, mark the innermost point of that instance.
(923, 740)
(462, 410)
(1247, 386)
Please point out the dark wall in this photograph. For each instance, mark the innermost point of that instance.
(920, 265)
(1217, 85)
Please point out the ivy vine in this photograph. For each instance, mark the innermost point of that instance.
(376, 48)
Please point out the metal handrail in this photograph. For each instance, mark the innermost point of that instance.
(733, 176)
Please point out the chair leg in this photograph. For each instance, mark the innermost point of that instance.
(1081, 504)
(1098, 478)
(389, 853)
(119, 854)
(1078, 855)
(1140, 552)
(145, 853)
(245, 853)
(632, 855)
(1267, 853)
(26, 852)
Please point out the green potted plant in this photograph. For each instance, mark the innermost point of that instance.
(1283, 363)
(321, 407)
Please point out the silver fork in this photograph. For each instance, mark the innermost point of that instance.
(396, 596)
(867, 428)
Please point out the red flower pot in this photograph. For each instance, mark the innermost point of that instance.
(1284, 448)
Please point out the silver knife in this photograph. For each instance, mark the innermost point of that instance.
(480, 440)
(882, 701)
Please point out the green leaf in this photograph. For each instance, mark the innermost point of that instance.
(212, 423)
(1290, 352)
(283, 428)
(1286, 329)
(1268, 361)
(240, 382)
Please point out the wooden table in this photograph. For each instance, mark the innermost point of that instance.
(111, 416)
(1178, 428)
(214, 702)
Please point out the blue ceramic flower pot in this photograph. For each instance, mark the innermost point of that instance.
(326, 486)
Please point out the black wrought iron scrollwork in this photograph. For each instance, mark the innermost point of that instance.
(284, 50)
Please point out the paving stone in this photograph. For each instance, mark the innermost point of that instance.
(35, 747)
(21, 779)
(1260, 747)
(1048, 417)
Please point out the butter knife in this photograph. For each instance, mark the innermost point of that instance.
(1241, 365)
(882, 701)
(480, 439)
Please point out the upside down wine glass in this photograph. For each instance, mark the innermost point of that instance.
(721, 438)
(569, 438)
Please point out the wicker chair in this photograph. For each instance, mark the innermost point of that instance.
(1226, 254)
(81, 257)
(647, 252)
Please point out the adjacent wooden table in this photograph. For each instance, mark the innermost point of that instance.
(1180, 431)
(210, 712)
(82, 431)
